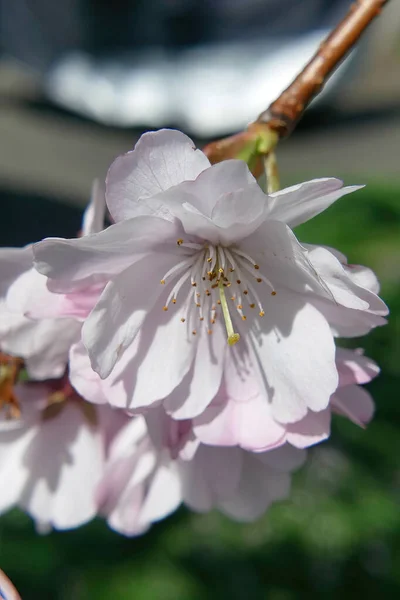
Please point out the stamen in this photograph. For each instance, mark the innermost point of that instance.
(191, 245)
(246, 256)
(174, 292)
(188, 262)
(233, 337)
(221, 259)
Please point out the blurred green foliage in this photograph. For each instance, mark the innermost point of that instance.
(338, 534)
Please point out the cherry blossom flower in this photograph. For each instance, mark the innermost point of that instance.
(207, 282)
(53, 456)
(156, 464)
(44, 341)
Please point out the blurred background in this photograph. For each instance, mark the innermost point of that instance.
(79, 81)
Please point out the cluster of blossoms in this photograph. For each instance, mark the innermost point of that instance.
(184, 354)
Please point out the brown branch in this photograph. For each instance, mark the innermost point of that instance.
(282, 115)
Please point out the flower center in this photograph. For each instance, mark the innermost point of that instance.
(212, 271)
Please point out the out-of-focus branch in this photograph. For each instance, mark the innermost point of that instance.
(282, 115)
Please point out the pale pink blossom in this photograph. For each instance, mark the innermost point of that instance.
(30, 326)
(156, 464)
(199, 254)
(246, 420)
(53, 457)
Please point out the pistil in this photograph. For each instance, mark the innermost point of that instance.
(233, 337)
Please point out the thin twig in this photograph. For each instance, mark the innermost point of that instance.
(282, 115)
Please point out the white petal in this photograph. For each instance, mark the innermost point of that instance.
(117, 317)
(284, 458)
(302, 202)
(259, 487)
(220, 180)
(206, 378)
(343, 288)
(163, 362)
(355, 403)
(297, 357)
(282, 259)
(106, 253)
(160, 160)
(64, 463)
(93, 218)
(364, 277)
(13, 475)
(163, 495)
(312, 429)
(82, 377)
(211, 477)
(240, 414)
(245, 424)
(354, 367)
(13, 262)
(347, 322)
(43, 344)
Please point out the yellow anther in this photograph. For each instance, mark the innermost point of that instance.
(194, 284)
(194, 332)
(209, 259)
(252, 305)
(209, 331)
(261, 313)
(179, 242)
(162, 281)
(259, 280)
(201, 318)
(238, 281)
(273, 293)
(219, 302)
(165, 308)
(220, 270)
(245, 292)
(244, 318)
(174, 301)
(239, 307)
(256, 267)
(183, 320)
